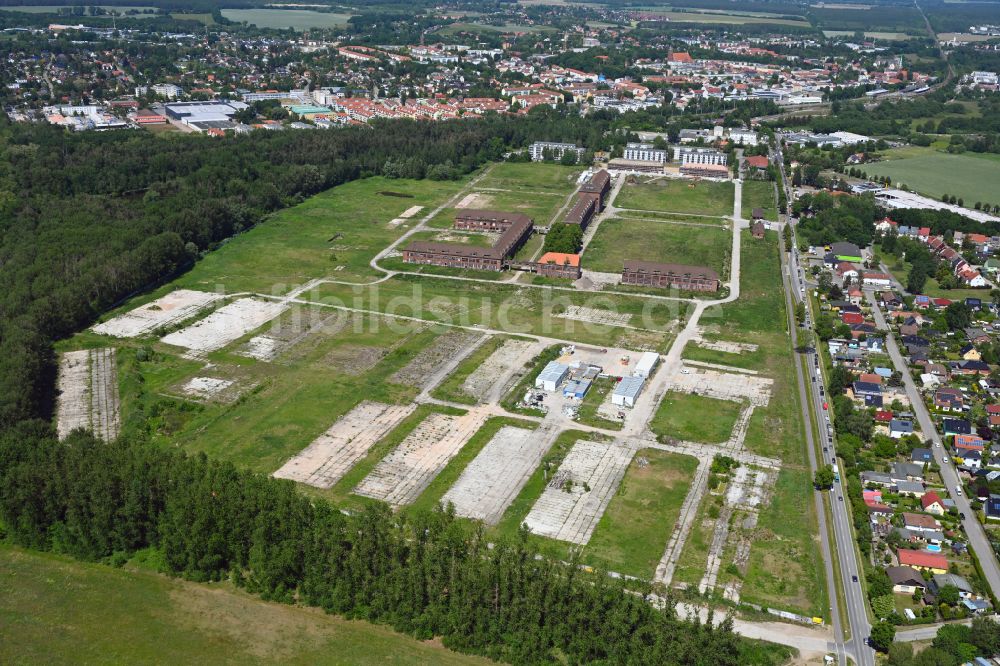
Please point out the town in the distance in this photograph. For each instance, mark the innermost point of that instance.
(528, 331)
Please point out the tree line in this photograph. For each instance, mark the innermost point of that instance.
(425, 574)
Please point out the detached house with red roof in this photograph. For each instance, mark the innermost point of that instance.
(920, 559)
(932, 504)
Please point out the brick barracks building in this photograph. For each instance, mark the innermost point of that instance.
(515, 229)
(654, 274)
(589, 199)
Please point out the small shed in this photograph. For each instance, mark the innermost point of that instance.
(627, 391)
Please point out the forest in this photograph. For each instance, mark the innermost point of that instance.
(427, 575)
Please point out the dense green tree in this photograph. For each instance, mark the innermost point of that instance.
(883, 633)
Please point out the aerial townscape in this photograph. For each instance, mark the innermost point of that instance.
(521, 331)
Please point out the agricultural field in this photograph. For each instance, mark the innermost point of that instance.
(55, 610)
(705, 197)
(298, 19)
(618, 239)
(727, 18)
(784, 538)
(970, 176)
(759, 194)
(695, 418)
(637, 523)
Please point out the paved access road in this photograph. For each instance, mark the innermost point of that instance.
(812, 391)
(973, 529)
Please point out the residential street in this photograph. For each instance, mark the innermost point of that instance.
(974, 530)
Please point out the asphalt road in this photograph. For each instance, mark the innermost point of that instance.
(812, 389)
(973, 529)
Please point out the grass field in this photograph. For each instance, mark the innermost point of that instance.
(634, 530)
(759, 194)
(512, 308)
(695, 418)
(785, 539)
(54, 610)
(678, 196)
(587, 414)
(619, 239)
(971, 176)
(531, 177)
(332, 234)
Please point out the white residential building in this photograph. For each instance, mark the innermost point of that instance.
(557, 150)
(645, 152)
(685, 155)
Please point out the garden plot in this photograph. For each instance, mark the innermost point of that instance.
(501, 362)
(579, 492)
(331, 455)
(226, 324)
(88, 393)
(165, 311)
(407, 471)
(494, 478)
(595, 316)
(445, 347)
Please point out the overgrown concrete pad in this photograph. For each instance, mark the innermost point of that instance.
(331, 455)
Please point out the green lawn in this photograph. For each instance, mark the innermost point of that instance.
(678, 196)
(531, 177)
(333, 234)
(759, 194)
(633, 532)
(652, 240)
(54, 610)
(694, 556)
(970, 176)
(695, 418)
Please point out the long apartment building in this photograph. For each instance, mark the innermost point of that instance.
(555, 149)
(688, 155)
(590, 199)
(655, 274)
(644, 152)
(514, 227)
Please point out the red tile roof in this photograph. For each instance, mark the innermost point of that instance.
(919, 558)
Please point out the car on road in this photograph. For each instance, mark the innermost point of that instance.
(826, 449)
(958, 490)
(826, 406)
(962, 516)
(854, 578)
